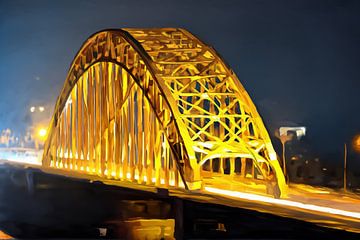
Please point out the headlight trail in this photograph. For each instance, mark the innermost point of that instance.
(284, 202)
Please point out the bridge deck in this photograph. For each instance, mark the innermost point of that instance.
(321, 206)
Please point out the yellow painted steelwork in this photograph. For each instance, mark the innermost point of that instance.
(159, 107)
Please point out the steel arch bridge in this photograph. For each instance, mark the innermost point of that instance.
(159, 107)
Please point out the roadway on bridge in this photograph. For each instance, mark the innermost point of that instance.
(321, 206)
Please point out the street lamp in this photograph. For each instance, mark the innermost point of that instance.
(356, 146)
(40, 134)
(284, 138)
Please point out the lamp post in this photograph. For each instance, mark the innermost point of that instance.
(345, 157)
(283, 139)
(356, 146)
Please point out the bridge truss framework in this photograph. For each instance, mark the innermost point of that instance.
(158, 107)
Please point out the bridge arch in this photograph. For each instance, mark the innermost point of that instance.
(199, 110)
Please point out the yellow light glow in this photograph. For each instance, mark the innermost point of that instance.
(205, 96)
(42, 133)
(41, 109)
(289, 203)
(356, 143)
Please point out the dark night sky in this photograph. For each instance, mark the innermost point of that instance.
(299, 60)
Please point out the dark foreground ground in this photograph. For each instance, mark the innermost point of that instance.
(34, 204)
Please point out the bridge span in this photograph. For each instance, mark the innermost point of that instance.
(159, 107)
(158, 110)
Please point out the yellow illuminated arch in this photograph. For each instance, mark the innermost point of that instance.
(157, 106)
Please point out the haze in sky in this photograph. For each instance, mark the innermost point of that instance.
(299, 60)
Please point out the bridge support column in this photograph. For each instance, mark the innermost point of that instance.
(179, 218)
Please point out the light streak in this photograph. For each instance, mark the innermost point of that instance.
(284, 202)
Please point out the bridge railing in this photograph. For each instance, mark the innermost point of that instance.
(240, 174)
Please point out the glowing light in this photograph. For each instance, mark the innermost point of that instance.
(197, 149)
(272, 156)
(41, 109)
(205, 96)
(32, 109)
(207, 144)
(69, 101)
(42, 133)
(258, 198)
(356, 143)
(172, 182)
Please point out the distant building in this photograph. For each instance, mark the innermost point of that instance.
(309, 171)
(297, 131)
(302, 165)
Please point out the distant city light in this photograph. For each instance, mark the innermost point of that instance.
(32, 109)
(41, 108)
(356, 143)
(23, 155)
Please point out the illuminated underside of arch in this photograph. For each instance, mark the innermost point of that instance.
(159, 107)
